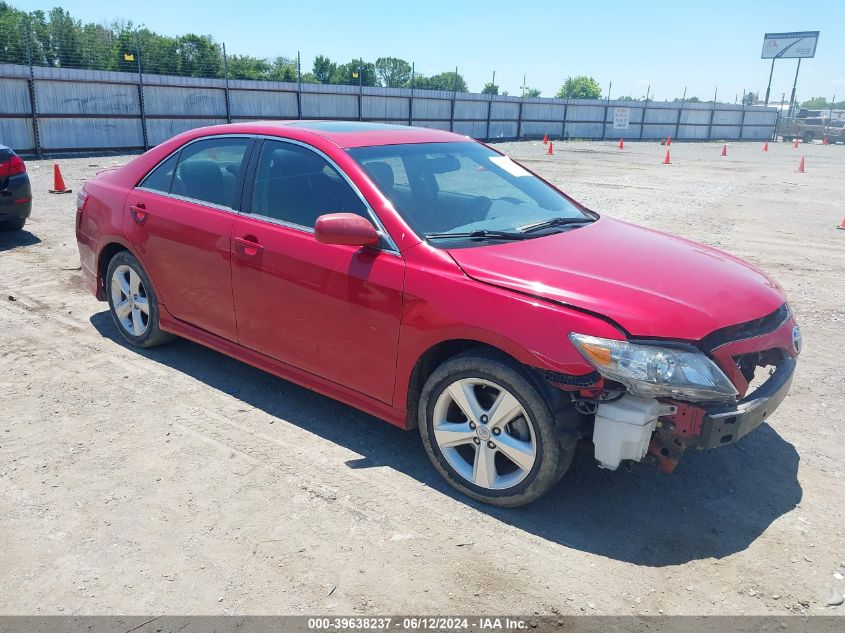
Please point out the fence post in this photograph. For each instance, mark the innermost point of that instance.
(678, 120)
(454, 96)
(141, 91)
(226, 78)
(565, 109)
(645, 109)
(606, 105)
(36, 137)
(411, 98)
(490, 108)
(299, 86)
(712, 113)
(360, 91)
(742, 122)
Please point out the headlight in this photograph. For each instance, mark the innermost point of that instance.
(647, 370)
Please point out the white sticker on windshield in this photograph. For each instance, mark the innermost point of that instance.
(509, 166)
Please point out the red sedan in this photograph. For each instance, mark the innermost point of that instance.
(433, 282)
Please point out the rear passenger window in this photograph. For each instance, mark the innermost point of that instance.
(294, 184)
(208, 170)
(160, 178)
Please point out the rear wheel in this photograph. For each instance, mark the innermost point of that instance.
(489, 432)
(133, 303)
(808, 137)
(15, 224)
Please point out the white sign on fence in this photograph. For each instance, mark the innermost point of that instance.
(621, 118)
(790, 45)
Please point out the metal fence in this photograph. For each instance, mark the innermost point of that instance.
(46, 110)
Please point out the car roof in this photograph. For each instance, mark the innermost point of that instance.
(348, 134)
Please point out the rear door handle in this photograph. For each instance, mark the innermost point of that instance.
(249, 244)
(139, 212)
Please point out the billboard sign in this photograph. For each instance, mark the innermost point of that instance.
(790, 45)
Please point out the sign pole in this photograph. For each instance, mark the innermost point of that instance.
(794, 84)
(769, 87)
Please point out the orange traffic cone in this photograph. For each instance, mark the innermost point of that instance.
(841, 226)
(724, 150)
(621, 143)
(666, 160)
(551, 148)
(545, 139)
(668, 140)
(825, 141)
(58, 181)
(766, 146)
(795, 144)
(801, 166)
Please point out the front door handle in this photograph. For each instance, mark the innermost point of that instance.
(139, 212)
(249, 244)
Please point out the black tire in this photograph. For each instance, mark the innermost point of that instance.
(551, 460)
(808, 137)
(15, 224)
(152, 334)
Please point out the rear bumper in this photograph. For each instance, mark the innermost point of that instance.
(726, 424)
(16, 198)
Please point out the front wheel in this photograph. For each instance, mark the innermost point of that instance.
(133, 302)
(489, 432)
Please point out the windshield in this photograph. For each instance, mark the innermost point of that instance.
(465, 188)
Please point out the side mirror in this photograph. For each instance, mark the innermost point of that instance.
(345, 228)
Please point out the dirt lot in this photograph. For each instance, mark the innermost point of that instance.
(180, 481)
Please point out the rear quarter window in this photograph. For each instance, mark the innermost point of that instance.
(160, 178)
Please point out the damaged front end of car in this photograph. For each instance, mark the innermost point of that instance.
(654, 399)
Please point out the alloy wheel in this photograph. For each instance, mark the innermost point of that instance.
(130, 301)
(484, 433)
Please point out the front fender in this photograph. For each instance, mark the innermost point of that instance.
(442, 304)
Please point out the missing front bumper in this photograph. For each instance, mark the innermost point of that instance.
(726, 424)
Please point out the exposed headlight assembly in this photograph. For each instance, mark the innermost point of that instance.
(651, 371)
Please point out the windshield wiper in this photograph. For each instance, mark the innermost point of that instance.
(546, 224)
(480, 234)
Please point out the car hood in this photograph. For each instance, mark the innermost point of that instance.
(650, 283)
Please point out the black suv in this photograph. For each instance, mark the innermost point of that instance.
(15, 192)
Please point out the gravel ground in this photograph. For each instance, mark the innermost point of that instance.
(179, 481)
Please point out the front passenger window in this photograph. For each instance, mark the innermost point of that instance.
(208, 170)
(295, 185)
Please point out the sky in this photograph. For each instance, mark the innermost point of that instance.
(666, 45)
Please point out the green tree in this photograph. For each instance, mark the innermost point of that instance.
(199, 56)
(490, 89)
(816, 103)
(580, 87)
(532, 92)
(284, 69)
(349, 73)
(393, 72)
(13, 25)
(442, 81)
(324, 69)
(64, 39)
(248, 67)
(750, 98)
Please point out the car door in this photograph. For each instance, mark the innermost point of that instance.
(331, 310)
(180, 219)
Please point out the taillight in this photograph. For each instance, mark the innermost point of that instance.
(12, 167)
